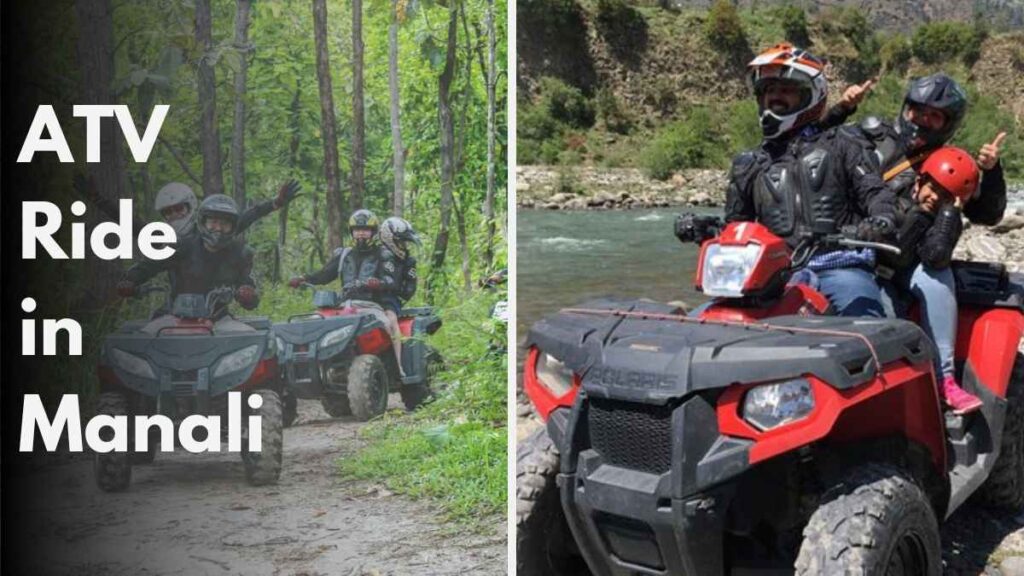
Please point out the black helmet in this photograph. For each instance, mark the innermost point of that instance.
(396, 233)
(936, 91)
(363, 219)
(223, 207)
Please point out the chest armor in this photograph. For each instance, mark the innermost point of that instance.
(201, 271)
(791, 195)
(357, 266)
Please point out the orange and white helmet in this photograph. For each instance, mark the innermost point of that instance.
(784, 62)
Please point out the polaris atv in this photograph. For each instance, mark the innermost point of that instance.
(342, 355)
(187, 367)
(763, 435)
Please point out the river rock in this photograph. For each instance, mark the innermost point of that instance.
(575, 204)
(700, 199)
(562, 197)
(985, 249)
(1012, 566)
(1008, 223)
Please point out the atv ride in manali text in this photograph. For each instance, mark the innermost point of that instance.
(186, 364)
(763, 436)
(342, 354)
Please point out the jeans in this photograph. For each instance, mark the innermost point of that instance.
(851, 291)
(935, 292)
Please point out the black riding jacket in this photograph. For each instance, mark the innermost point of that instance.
(193, 269)
(820, 180)
(986, 209)
(398, 274)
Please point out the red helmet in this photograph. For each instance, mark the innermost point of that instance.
(954, 170)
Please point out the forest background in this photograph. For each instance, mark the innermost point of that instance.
(397, 106)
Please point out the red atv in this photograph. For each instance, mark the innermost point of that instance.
(342, 354)
(763, 434)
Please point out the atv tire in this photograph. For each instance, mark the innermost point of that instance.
(336, 405)
(1004, 487)
(367, 387)
(876, 521)
(264, 467)
(544, 544)
(113, 470)
(289, 409)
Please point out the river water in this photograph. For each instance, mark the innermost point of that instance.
(567, 257)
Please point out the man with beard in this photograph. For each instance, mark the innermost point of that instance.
(806, 179)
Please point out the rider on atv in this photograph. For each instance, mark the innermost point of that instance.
(398, 280)
(361, 273)
(929, 228)
(203, 262)
(805, 178)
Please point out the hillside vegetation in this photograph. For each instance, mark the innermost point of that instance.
(613, 83)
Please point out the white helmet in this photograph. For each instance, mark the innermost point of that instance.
(395, 232)
(783, 62)
(174, 194)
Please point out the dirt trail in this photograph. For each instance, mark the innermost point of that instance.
(194, 514)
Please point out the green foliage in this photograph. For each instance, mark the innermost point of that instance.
(566, 104)
(742, 127)
(453, 449)
(615, 118)
(724, 29)
(895, 53)
(794, 24)
(937, 42)
(545, 126)
(689, 143)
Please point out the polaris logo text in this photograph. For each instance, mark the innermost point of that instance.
(108, 433)
(629, 379)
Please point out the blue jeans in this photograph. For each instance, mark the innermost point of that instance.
(851, 291)
(935, 291)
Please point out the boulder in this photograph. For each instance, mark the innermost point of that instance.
(985, 249)
(1009, 222)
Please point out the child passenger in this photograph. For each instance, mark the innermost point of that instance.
(930, 228)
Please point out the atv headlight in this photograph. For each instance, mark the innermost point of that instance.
(132, 364)
(726, 268)
(553, 374)
(237, 360)
(772, 405)
(335, 336)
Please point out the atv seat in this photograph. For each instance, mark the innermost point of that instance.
(987, 284)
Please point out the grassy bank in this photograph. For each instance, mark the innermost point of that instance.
(452, 450)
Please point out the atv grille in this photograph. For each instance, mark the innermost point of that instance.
(632, 435)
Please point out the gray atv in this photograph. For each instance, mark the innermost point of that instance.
(185, 366)
(342, 355)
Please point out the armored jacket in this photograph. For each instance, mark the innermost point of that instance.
(351, 267)
(195, 270)
(986, 209)
(816, 181)
(398, 275)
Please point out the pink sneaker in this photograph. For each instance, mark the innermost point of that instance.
(960, 400)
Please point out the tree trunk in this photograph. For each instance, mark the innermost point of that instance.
(328, 126)
(398, 198)
(293, 160)
(209, 135)
(96, 62)
(460, 223)
(358, 115)
(444, 114)
(238, 137)
(491, 85)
